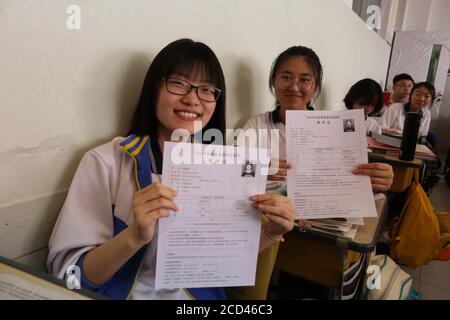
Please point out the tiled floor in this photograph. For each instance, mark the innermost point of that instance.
(433, 280)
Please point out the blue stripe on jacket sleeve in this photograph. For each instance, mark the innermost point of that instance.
(85, 283)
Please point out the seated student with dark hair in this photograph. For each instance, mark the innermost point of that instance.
(421, 100)
(366, 94)
(401, 91)
(403, 84)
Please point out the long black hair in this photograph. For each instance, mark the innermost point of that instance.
(427, 85)
(186, 57)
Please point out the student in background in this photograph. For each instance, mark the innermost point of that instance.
(108, 224)
(402, 86)
(421, 100)
(366, 94)
(401, 91)
(296, 81)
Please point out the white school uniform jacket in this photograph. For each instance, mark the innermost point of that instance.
(372, 126)
(98, 207)
(394, 118)
(273, 132)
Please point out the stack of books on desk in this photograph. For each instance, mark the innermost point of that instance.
(343, 227)
(388, 139)
(340, 227)
(390, 145)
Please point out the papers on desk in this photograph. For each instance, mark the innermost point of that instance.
(15, 288)
(16, 284)
(390, 145)
(373, 142)
(339, 228)
(390, 140)
(213, 240)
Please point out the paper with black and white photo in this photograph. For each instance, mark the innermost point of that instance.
(323, 148)
(213, 239)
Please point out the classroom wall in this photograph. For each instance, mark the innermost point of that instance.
(349, 3)
(442, 125)
(439, 19)
(417, 13)
(65, 91)
(426, 15)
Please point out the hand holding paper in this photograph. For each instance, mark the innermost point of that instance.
(324, 147)
(213, 239)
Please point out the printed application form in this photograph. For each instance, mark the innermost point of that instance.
(213, 239)
(323, 148)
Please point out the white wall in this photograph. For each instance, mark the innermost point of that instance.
(416, 15)
(443, 124)
(349, 3)
(63, 92)
(439, 19)
(426, 15)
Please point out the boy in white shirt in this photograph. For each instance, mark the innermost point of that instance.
(401, 91)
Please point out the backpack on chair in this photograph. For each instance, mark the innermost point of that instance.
(415, 235)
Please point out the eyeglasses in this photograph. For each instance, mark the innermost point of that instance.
(286, 81)
(404, 86)
(181, 88)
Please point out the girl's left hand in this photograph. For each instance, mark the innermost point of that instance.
(279, 211)
(381, 175)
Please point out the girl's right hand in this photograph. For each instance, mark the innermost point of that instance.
(281, 173)
(150, 204)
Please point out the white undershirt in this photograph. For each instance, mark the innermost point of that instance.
(145, 284)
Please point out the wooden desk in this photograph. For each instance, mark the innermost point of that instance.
(321, 257)
(20, 282)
